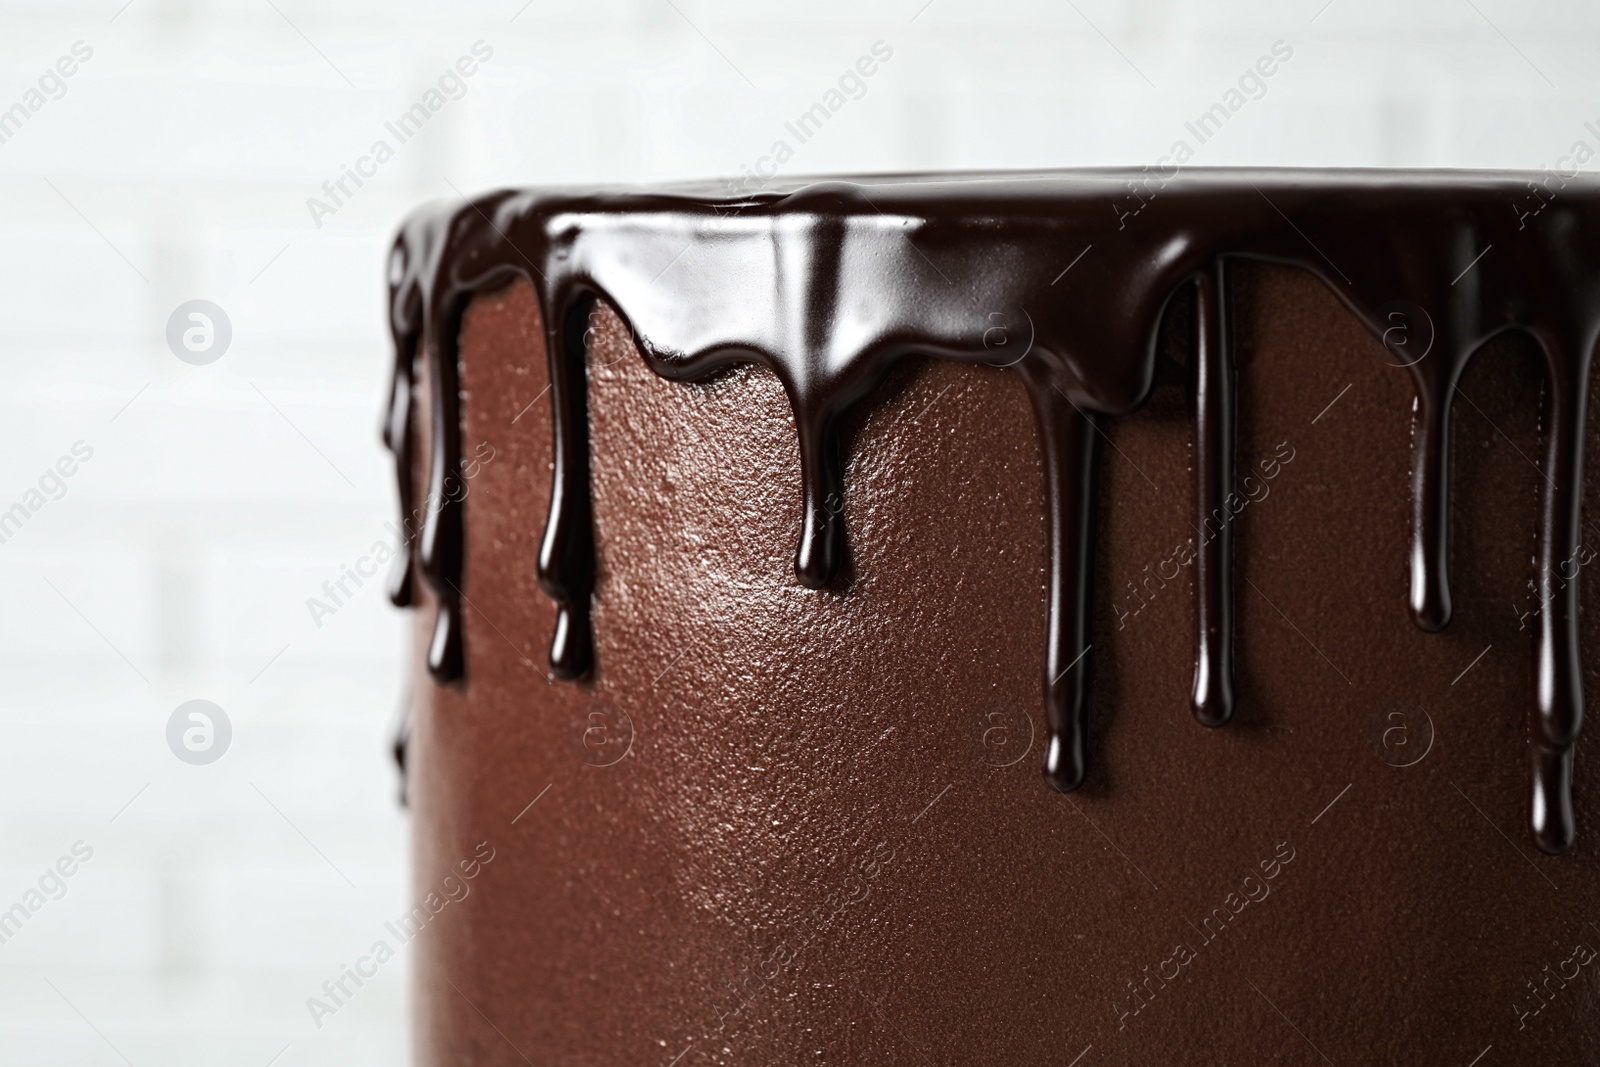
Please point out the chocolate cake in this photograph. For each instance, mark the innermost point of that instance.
(1134, 477)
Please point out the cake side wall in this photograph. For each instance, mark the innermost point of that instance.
(815, 846)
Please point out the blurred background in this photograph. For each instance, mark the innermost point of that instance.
(217, 480)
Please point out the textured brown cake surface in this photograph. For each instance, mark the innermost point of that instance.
(810, 853)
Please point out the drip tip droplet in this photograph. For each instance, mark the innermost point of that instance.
(1212, 700)
(445, 660)
(1064, 762)
(1553, 825)
(816, 561)
(572, 647)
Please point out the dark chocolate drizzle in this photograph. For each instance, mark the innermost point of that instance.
(829, 283)
(1213, 485)
(397, 429)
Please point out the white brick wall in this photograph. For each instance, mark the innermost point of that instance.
(190, 142)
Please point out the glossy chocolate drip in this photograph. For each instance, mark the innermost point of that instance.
(1558, 669)
(397, 431)
(566, 557)
(1069, 444)
(440, 552)
(829, 284)
(400, 749)
(1213, 480)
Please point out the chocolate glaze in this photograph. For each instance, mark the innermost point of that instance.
(396, 432)
(828, 284)
(1213, 482)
